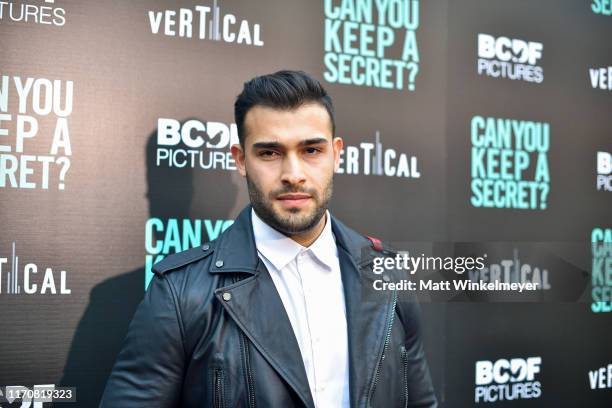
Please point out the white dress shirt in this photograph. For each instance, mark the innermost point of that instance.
(309, 284)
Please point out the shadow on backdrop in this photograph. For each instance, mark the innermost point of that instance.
(112, 303)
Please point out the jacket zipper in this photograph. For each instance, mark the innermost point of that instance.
(386, 345)
(244, 342)
(244, 348)
(219, 398)
(405, 366)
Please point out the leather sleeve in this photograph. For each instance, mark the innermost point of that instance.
(420, 388)
(149, 369)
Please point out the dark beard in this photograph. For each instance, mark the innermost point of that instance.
(290, 225)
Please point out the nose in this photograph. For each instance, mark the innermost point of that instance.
(293, 171)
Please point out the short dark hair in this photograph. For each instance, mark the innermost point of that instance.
(281, 90)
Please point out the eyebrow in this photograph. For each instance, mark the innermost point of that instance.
(276, 145)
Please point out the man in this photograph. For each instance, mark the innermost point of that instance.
(274, 312)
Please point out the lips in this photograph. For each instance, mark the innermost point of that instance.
(294, 198)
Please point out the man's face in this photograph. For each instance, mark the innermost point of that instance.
(288, 159)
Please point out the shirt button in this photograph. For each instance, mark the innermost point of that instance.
(219, 263)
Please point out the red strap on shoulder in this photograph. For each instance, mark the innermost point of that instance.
(376, 243)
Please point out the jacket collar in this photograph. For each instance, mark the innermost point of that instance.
(236, 250)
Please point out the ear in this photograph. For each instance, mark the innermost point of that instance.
(239, 158)
(337, 144)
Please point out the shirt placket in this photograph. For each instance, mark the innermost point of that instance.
(307, 274)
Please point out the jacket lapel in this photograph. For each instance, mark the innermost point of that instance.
(366, 317)
(258, 310)
(256, 307)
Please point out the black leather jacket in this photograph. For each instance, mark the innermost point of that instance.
(212, 331)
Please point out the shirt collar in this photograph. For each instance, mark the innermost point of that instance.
(279, 249)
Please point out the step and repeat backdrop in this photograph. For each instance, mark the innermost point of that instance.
(478, 125)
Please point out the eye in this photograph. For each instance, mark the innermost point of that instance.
(267, 154)
(312, 150)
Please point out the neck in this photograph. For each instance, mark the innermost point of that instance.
(306, 238)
